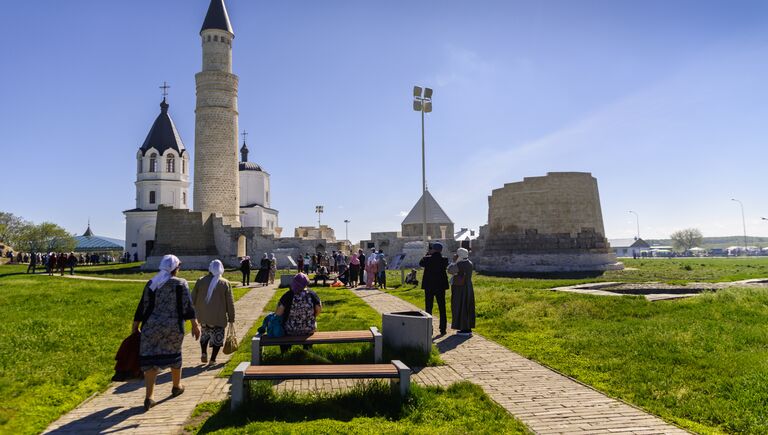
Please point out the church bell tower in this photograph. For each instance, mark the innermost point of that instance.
(216, 182)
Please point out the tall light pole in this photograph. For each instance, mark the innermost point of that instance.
(346, 229)
(743, 224)
(637, 220)
(422, 102)
(319, 211)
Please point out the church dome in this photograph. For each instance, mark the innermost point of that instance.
(163, 134)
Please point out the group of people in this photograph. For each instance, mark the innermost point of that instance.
(435, 282)
(54, 262)
(167, 303)
(267, 270)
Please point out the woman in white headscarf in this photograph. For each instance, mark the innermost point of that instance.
(462, 293)
(262, 277)
(215, 307)
(272, 268)
(164, 306)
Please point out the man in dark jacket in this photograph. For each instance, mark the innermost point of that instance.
(435, 281)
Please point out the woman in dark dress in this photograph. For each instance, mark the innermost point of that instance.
(262, 277)
(462, 293)
(164, 306)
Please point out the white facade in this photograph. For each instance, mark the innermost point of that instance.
(255, 210)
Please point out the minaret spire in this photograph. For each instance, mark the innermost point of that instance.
(217, 17)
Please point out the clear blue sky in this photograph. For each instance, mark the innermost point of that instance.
(665, 102)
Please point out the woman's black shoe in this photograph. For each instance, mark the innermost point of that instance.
(176, 392)
(148, 403)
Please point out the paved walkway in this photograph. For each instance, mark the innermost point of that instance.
(121, 407)
(546, 401)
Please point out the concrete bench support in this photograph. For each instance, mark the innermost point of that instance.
(239, 386)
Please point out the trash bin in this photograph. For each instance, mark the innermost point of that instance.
(407, 330)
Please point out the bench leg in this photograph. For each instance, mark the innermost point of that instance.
(256, 351)
(405, 377)
(238, 386)
(378, 344)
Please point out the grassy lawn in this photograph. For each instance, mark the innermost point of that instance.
(700, 362)
(59, 341)
(367, 409)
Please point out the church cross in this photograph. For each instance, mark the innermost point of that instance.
(245, 135)
(165, 88)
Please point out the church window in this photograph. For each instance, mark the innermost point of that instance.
(152, 198)
(209, 38)
(170, 164)
(184, 198)
(216, 38)
(183, 166)
(138, 166)
(153, 163)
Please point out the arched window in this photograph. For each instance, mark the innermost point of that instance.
(170, 164)
(184, 198)
(152, 198)
(183, 165)
(153, 162)
(138, 165)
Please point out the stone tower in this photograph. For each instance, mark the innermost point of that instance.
(216, 182)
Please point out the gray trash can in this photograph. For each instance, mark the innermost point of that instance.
(407, 330)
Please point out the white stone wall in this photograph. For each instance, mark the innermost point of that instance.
(216, 182)
(169, 187)
(139, 227)
(254, 188)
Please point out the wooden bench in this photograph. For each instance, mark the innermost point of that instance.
(372, 335)
(396, 371)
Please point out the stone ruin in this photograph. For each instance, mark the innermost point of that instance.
(550, 224)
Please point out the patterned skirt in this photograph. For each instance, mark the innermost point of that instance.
(213, 335)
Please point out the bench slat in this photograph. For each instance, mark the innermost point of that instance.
(321, 337)
(326, 371)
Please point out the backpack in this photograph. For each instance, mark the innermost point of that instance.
(272, 326)
(301, 318)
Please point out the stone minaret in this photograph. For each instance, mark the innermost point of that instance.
(216, 183)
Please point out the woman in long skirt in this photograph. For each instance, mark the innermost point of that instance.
(462, 293)
(262, 277)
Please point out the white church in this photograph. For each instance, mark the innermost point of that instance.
(162, 178)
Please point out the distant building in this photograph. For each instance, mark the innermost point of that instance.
(629, 247)
(324, 232)
(90, 242)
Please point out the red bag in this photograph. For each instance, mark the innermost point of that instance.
(127, 359)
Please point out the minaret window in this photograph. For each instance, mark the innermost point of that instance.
(153, 163)
(152, 198)
(170, 164)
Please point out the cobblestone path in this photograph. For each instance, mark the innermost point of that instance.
(546, 401)
(120, 409)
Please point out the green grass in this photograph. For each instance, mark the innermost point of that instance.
(366, 409)
(700, 362)
(59, 338)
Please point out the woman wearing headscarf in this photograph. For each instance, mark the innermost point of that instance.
(354, 269)
(162, 310)
(215, 307)
(462, 293)
(272, 268)
(371, 269)
(299, 307)
(262, 277)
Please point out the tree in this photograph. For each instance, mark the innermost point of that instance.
(686, 239)
(11, 227)
(46, 237)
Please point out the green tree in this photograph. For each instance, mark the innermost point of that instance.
(11, 227)
(686, 239)
(45, 237)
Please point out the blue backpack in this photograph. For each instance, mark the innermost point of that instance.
(272, 325)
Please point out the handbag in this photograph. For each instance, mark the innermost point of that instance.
(230, 343)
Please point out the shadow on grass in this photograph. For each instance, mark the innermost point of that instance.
(546, 275)
(365, 399)
(349, 354)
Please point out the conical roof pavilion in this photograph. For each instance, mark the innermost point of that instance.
(435, 213)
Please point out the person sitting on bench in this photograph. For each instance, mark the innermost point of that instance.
(411, 278)
(322, 273)
(299, 308)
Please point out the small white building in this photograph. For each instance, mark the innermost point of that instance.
(162, 178)
(628, 247)
(255, 210)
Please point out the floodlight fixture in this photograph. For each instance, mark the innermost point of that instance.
(427, 106)
(427, 92)
(417, 91)
(417, 105)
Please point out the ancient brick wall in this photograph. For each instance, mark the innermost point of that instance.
(183, 232)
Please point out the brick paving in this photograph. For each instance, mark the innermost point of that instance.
(546, 401)
(121, 407)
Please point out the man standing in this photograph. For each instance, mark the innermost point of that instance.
(361, 258)
(32, 263)
(435, 281)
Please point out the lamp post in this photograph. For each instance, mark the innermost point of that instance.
(743, 224)
(637, 220)
(346, 229)
(319, 211)
(422, 102)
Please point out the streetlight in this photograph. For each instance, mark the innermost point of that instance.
(637, 219)
(743, 224)
(319, 211)
(422, 102)
(346, 229)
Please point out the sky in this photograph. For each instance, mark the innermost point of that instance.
(664, 102)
